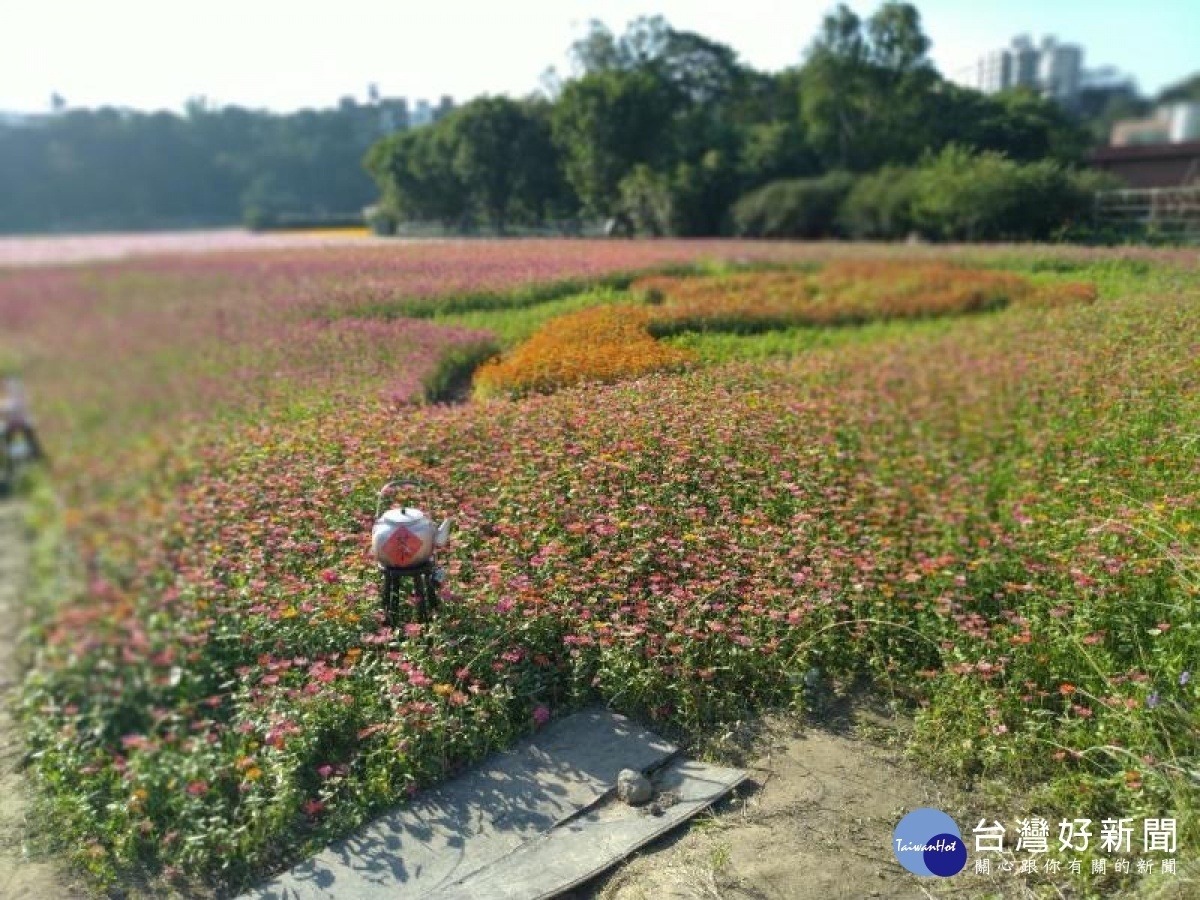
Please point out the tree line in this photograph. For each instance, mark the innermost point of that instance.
(665, 132)
(113, 169)
(657, 131)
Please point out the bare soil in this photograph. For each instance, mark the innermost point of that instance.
(815, 821)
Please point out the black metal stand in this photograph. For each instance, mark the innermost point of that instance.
(402, 582)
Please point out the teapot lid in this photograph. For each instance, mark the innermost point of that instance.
(403, 515)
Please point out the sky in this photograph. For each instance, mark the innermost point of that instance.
(281, 55)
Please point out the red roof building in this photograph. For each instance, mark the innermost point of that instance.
(1152, 165)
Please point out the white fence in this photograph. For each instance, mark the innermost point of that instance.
(1154, 212)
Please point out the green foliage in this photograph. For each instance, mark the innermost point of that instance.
(604, 125)
(690, 201)
(958, 195)
(451, 377)
(866, 88)
(880, 204)
(647, 201)
(801, 208)
(1187, 89)
(1019, 124)
(717, 347)
(121, 169)
(529, 295)
(774, 150)
(695, 69)
(511, 325)
(416, 173)
(662, 128)
(963, 195)
(504, 159)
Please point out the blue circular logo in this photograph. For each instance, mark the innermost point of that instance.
(928, 842)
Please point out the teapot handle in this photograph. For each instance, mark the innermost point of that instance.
(404, 482)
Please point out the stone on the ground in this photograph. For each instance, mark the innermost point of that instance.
(633, 787)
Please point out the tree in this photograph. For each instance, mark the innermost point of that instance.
(487, 135)
(598, 51)
(603, 125)
(416, 175)
(110, 168)
(1188, 89)
(505, 159)
(697, 69)
(896, 43)
(773, 150)
(1017, 123)
(864, 88)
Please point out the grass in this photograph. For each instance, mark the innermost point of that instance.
(483, 301)
(715, 347)
(511, 325)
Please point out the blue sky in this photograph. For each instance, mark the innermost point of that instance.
(282, 55)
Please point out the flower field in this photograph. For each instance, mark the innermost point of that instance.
(995, 522)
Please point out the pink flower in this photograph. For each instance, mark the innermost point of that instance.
(325, 771)
(196, 788)
(541, 715)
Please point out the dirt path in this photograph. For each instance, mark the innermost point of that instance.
(21, 878)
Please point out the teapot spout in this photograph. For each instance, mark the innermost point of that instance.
(443, 534)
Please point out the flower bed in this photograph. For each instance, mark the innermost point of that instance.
(841, 293)
(999, 524)
(599, 345)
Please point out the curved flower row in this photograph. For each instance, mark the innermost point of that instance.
(599, 345)
(841, 293)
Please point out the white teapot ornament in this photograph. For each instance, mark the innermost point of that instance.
(404, 537)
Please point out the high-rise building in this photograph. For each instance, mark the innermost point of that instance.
(1053, 69)
(1026, 63)
(422, 114)
(994, 72)
(1059, 70)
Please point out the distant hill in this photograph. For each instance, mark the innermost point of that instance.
(104, 169)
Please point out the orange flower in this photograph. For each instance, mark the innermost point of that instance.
(602, 344)
(1066, 689)
(842, 293)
